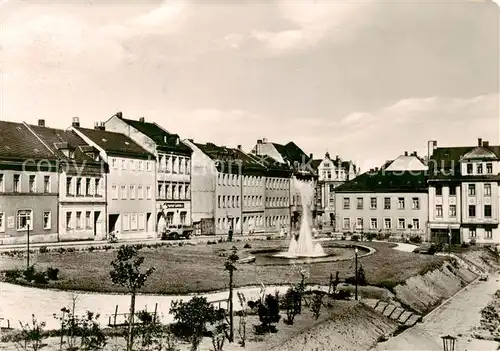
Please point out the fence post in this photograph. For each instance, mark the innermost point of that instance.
(116, 312)
(154, 315)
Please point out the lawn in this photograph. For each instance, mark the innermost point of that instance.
(199, 268)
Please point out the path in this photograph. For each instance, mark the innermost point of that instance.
(456, 317)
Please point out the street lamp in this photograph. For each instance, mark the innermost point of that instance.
(449, 240)
(448, 343)
(356, 254)
(28, 223)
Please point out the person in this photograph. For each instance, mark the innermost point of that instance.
(282, 231)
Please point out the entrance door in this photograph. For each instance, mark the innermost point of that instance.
(113, 223)
(97, 224)
(148, 222)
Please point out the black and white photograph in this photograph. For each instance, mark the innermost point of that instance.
(259, 175)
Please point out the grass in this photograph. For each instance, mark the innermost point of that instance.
(199, 268)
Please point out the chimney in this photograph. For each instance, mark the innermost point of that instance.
(141, 119)
(327, 155)
(239, 147)
(76, 122)
(310, 155)
(486, 143)
(415, 153)
(191, 140)
(41, 123)
(259, 141)
(431, 146)
(264, 140)
(406, 153)
(479, 142)
(119, 115)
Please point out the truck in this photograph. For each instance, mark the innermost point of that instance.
(176, 232)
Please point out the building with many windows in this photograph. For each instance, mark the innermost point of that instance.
(173, 169)
(130, 183)
(28, 186)
(381, 201)
(464, 194)
(82, 193)
(331, 174)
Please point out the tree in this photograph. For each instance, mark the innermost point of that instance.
(192, 317)
(126, 272)
(32, 335)
(230, 267)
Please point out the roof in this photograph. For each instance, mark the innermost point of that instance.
(53, 138)
(448, 158)
(163, 139)
(116, 144)
(273, 167)
(406, 163)
(315, 163)
(17, 142)
(292, 153)
(386, 182)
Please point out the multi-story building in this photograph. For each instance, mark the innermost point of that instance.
(82, 195)
(28, 186)
(300, 165)
(331, 174)
(464, 194)
(130, 183)
(173, 169)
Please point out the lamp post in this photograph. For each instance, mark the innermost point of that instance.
(356, 254)
(28, 243)
(448, 343)
(449, 240)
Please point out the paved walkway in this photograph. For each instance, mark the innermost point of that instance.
(405, 247)
(457, 317)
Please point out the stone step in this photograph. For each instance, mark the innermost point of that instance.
(398, 311)
(388, 310)
(381, 306)
(404, 317)
(412, 320)
(371, 302)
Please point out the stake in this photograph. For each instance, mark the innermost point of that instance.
(28, 244)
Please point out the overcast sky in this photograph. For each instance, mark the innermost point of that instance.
(365, 81)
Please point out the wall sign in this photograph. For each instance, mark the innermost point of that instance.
(173, 205)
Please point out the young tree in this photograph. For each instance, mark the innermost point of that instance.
(242, 325)
(32, 335)
(126, 272)
(230, 267)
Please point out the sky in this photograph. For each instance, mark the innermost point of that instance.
(362, 80)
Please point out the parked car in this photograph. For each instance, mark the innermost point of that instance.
(423, 249)
(175, 232)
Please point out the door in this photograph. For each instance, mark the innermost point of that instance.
(97, 224)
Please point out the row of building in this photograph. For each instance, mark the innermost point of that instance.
(134, 178)
(452, 194)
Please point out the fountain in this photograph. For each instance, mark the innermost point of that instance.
(304, 245)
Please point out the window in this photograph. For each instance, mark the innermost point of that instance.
(472, 210)
(133, 221)
(24, 219)
(78, 220)
(453, 191)
(32, 184)
(126, 222)
(131, 165)
(68, 220)
(168, 190)
(188, 192)
(387, 223)
(219, 201)
(359, 223)
(416, 223)
(181, 165)
(479, 168)
(472, 189)
(2, 186)
(87, 187)
(401, 223)
(114, 163)
(148, 192)
(373, 203)
(359, 203)
(114, 192)
(387, 203)
(46, 184)
(487, 189)
(453, 210)
(140, 192)
(142, 224)
(469, 168)
(472, 232)
(439, 210)
(489, 168)
(124, 165)
(132, 191)
(373, 223)
(97, 187)
(78, 186)
(17, 183)
(487, 211)
(188, 166)
(347, 223)
(416, 203)
(174, 164)
(439, 190)
(347, 203)
(88, 220)
(2, 222)
(183, 217)
(123, 192)
(401, 203)
(46, 220)
(488, 234)
(174, 191)
(160, 190)
(148, 166)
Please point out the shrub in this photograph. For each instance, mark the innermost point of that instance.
(247, 246)
(29, 273)
(70, 249)
(53, 273)
(163, 236)
(40, 278)
(316, 304)
(473, 241)
(269, 237)
(465, 245)
(43, 249)
(61, 250)
(388, 284)
(342, 295)
(436, 248)
(91, 248)
(371, 236)
(12, 275)
(416, 239)
(355, 237)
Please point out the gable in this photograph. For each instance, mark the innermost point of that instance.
(479, 153)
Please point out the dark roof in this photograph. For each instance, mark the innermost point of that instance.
(291, 153)
(164, 140)
(386, 182)
(273, 167)
(58, 139)
(116, 144)
(18, 143)
(315, 163)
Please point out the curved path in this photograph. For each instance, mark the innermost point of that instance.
(18, 303)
